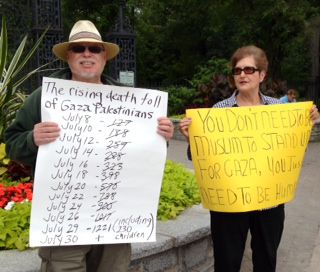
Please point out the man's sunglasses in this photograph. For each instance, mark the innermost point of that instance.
(248, 70)
(81, 48)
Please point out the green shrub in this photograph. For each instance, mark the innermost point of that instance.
(178, 117)
(208, 86)
(206, 72)
(14, 226)
(179, 191)
(211, 81)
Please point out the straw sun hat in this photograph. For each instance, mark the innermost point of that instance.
(84, 31)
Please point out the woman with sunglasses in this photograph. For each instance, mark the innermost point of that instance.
(229, 230)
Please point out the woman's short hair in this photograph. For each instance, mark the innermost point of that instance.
(292, 92)
(257, 53)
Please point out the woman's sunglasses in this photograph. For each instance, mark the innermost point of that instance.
(81, 48)
(248, 70)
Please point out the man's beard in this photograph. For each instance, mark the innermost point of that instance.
(87, 75)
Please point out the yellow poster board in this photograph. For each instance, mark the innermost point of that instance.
(249, 158)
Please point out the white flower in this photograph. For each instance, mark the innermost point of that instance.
(9, 205)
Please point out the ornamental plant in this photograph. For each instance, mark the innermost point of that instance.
(3, 160)
(14, 226)
(179, 190)
(12, 76)
(211, 81)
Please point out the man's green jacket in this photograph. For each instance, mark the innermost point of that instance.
(19, 141)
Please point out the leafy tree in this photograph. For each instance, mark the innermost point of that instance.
(176, 36)
(170, 43)
(101, 13)
(279, 27)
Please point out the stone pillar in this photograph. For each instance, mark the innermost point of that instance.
(122, 34)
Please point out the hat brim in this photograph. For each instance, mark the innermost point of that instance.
(60, 50)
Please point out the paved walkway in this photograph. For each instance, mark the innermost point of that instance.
(299, 250)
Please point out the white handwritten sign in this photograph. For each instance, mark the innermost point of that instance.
(100, 182)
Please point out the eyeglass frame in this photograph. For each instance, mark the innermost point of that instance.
(91, 49)
(251, 69)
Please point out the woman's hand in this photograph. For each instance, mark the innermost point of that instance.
(165, 128)
(184, 127)
(314, 115)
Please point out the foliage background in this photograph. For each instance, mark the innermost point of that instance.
(175, 39)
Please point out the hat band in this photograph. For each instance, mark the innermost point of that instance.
(84, 34)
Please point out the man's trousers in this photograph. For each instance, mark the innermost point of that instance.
(86, 258)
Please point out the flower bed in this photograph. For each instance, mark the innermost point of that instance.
(15, 194)
(179, 191)
(15, 204)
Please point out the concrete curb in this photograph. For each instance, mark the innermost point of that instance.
(182, 244)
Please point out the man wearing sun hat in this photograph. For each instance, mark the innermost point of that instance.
(86, 55)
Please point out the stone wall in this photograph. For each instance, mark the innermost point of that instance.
(183, 244)
(194, 256)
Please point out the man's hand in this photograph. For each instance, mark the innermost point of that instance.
(165, 128)
(45, 132)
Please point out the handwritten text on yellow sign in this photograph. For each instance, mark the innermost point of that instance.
(249, 158)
